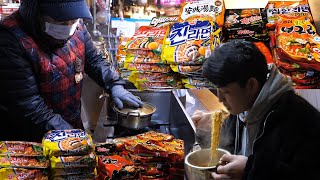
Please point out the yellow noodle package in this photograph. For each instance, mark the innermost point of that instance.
(20, 148)
(137, 59)
(39, 162)
(196, 83)
(147, 67)
(186, 69)
(189, 43)
(151, 77)
(146, 85)
(67, 142)
(150, 80)
(74, 161)
(73, 171)
(21, 173)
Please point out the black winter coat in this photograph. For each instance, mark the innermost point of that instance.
(287, 145)
(23, 112)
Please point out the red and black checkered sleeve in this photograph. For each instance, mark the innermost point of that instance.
(20, 100)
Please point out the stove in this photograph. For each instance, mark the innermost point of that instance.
(170, 118)
(120, 131)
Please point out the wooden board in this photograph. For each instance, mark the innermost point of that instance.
(315, 6)
(208, 99)
(311, 95)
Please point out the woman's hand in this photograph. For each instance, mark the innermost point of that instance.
(121, 95)
(234, 168)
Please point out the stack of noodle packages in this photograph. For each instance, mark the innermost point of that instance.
(190, 41)
(71, 154)
(22, 160)
(121, 57)
(150, 155)
(156, 155)
(296, 43)
(143, 59)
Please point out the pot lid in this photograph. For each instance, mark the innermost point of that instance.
(145, 110)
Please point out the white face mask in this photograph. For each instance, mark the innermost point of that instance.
(60, 32)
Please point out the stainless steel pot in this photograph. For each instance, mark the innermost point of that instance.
(134, 118)
(197, 162)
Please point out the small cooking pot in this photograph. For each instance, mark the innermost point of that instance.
(196, 163)
(134, 118)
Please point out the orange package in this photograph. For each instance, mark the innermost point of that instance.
(212, 11)
(116, 166)
(265, 51)
(147, 38)
(298, 42)
(174, 147)
(155, 136)
(145, 147)
(287, 10)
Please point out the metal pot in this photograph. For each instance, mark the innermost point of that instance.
(197, 162)
(134, 118)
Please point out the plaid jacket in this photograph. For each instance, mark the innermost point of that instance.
(55, 72)
(38, 90)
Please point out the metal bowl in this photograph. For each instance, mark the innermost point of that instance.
(197, 164)
(135, 118)
(146, 110)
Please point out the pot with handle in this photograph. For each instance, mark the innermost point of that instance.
(134, 118)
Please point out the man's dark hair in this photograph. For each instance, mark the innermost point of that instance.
(236, 61)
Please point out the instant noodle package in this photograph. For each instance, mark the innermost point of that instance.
(150, 155)
(196, 82)
(20, 148)
(23, 174)
(203, 10)
(297, 52)
(71, 154)
(247, 24)
(163, 21)
(116, 167)
(67, 142)
(22, 160)
(192, 39)
(142, 55)
(188, 43)
(154, 80)
(278, 11)
(173, 45)
(283, 31)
